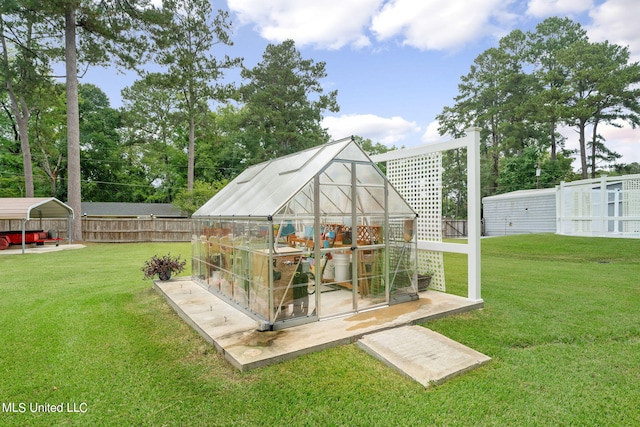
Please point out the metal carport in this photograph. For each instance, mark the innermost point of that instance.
(28, 208)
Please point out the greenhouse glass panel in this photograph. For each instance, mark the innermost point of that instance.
(353, 152)
(301, 204)
(337, 173)
(403, 259)
(335, 199)
(369, 174)
(397, 205)
(370, 200)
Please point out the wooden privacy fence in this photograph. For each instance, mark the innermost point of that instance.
(126, 230)
(119, 230)
(115, 230)
(454, 227)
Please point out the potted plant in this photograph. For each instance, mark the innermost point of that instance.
(163, 266)
(424, 280)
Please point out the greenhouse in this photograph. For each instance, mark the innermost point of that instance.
(305, 237)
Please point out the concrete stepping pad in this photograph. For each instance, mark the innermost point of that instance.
(422, 354)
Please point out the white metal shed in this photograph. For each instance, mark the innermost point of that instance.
(520, 212)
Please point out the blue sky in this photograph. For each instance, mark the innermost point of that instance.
(397, 63)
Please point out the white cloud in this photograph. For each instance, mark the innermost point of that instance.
(333, 24)
(387, 131)
(330, 24)
(437, 24)
(616, 21)
(432, 135)
(545, 8)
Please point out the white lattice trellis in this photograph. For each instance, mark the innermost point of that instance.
(605, 206)
(419, 180)
(631, 204)
(582, 207)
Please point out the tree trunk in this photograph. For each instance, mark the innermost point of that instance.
(553, 140)
(74, 192)
(26, 151)
(583, 150)
(594, 138)
(192, 156)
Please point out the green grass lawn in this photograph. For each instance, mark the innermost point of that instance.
(561, 322)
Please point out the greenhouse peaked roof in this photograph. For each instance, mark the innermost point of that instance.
(264, 189)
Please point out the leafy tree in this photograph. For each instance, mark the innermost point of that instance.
(481, 103)
(24, 69)
(11, 177)
(48, 132)
(95, 32)
(220, 153)
(454, 183)
(520, 172)
(603, 88)
(152, 131)
(494, 96)
(518, 88)
(520, 91)
(550, 37)
(190, 200)
(184, 45)
(598, 152)
(283, 103)
(626, 168)
(106, 162)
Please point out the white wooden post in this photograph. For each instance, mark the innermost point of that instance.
(472, 142)
(604, 207)
(473, 214)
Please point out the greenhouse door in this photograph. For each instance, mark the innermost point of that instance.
(350, 278)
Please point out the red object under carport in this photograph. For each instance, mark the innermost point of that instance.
(38, 237)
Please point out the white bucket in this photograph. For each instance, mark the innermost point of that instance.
(329, 270)
(342, 263)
